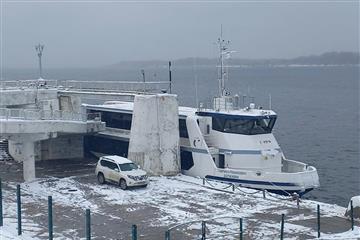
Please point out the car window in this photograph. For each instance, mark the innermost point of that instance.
(128, 166)
(113, 166)
(103, 163)
(108, 164)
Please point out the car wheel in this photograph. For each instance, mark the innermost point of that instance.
(101, 178)
(123, 184)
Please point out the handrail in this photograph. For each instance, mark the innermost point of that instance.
(83, 85)
(35, 114)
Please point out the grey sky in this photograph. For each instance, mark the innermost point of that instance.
(95, 34)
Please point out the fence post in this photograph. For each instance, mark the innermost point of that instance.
(241, 229)
(203, 230)
(233, 187)
(167, 235)
(263, 191)
(318, 220)
(1, 206)
(50, 217)
(87, 224)
(203, 181)
(352, 215)
(298, 201)
(282, 226)
(134, 232)
(18, 199)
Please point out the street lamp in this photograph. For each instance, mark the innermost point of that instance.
(39, 49)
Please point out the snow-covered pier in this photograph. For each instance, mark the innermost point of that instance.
(166, 203)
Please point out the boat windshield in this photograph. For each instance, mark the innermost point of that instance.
(128, 166)
(247, 126)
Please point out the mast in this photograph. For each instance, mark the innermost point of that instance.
(223, 46)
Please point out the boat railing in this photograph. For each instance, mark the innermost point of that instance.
(36, 114)
(291, 166)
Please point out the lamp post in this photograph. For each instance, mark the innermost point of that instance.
(39, 49)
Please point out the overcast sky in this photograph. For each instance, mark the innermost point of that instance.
(96, 34)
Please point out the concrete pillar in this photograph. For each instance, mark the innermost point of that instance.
(28, 152)
(154, 136)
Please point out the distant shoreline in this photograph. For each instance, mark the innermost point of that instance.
(325, 59)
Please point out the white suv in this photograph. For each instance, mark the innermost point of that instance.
(121, 171)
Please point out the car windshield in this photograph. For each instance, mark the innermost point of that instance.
(128, 166)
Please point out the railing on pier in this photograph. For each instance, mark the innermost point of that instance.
(28, 84)
(35, 114)
(76, 85)
(116, 86)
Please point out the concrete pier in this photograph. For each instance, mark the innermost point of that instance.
(154, 136)
(28, 152)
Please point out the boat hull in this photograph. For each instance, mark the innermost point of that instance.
(281, 188)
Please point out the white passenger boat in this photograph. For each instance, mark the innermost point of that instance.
(227, 143)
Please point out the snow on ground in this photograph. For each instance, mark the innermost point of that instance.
(177, 200)
(9, 229)
(355, 234)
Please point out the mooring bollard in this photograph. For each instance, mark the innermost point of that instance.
(352, 215)
(296, 196)
(50, 217)
(87, 224)
(167, 235)
(134, 232)
(264, 196)
(241, 229)
(282, 226)
(1, 206)
(18, 200)
(203, 230)
(318, 220)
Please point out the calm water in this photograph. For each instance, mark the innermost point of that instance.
(318, 110)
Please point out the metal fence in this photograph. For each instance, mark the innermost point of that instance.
(204, 234)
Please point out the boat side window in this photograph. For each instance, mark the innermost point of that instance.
(116, 120)
(218, 124)
(183, 129)
(246, 126)
(238, 126)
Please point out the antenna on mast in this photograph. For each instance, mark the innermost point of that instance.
(223, 47)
